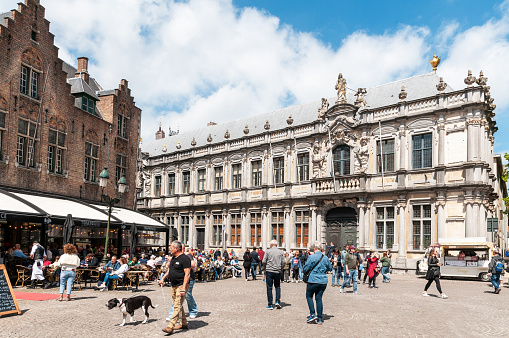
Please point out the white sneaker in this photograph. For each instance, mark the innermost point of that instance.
(234, 277)
(341, 290)
(444, 296)
(425, 294)
(193, 316)
(168, 319)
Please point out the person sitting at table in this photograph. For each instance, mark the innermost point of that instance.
(134, 261)
(18, 253)
(45, 262)
(111, 266)
(151, 265)
(54, 269)
(206, 268)
(143, 260)
(117, 274)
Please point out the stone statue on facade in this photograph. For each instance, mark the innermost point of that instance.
(318, 160)
(361, 154)
(360, 102)
(341, 88)
(323, 109)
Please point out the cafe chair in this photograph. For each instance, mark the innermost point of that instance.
(24, 275)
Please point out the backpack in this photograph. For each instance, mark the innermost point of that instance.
(499, 267)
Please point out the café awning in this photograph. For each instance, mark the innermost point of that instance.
(83, 213)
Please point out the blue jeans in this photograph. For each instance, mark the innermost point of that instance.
(352, 274)
(495, 280)
(273, 278)
(315, 289)
(191, 303)
(253, 270)
(109, 277)
(335, 276)
(301, 274)
(66, 277)
(385, 271)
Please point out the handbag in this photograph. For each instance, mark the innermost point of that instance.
(361, 266)
(305, 277)
(436, 271)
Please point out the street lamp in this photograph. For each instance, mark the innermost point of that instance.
(110, 201)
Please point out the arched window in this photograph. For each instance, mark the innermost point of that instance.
(341, 160)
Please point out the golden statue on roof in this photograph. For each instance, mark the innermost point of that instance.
(435, 61)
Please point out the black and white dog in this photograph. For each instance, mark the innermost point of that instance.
(129, 305)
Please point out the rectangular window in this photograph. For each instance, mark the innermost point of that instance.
(23, 81)
(91, 159)
(303, 167)
(256, 228)
(2, 128)
(217, 230)
(279, 170)
(186, 181)
(88, 104)
(185, 229)
(302, 228)
(157, 186)
(387, 157)
(202, 179)
(236, 221)
(384, 227)
(26, 143)
(200, 220)
(56, 143)
(278, 227)
(122, 126)
(171, 184)
(29, 82)
(341, 159)
(34, 84)
(422, 151)
(218, 178)
(121, 167)
(256, 170)
(421, 223)
(237, 176)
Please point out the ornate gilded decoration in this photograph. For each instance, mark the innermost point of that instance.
(402, 94)
(323, 109)
(482, 80)
(360, 102)
(193, 142)
(266, 126)
(441, 85)
(209, 138)
(289, 120)
(246, 130)
(164, 148)
(470, 80)
(341, 88)
(178, 146)
(226, 134)
(435, 61)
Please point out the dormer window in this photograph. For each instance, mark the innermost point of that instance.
(88, 104)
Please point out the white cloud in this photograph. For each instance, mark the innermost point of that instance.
(201, 60)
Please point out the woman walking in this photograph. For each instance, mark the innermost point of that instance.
(247, 263)
(68, 263)
(336, 267)
(433, 273)
(373, 270)
(386, 265)
(317, 265)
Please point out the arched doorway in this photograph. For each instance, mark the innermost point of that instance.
(341, 227)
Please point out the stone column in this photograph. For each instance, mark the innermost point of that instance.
(470, 140)
(483, 215)
(191, 241)
(288, 226)
(320, 228)
(227, 215)
(402, 147)
(265, 227)
(367, 222)
(207, 230)
(313, 229)
(440, 216)
(441, 141)
(402, 228)
(469, 221)
(243, 229)
(361, 207)
(178, 224)
(475, 212)
(224, 228)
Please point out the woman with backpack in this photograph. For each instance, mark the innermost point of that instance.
(433, 273)
(495, 269)
(247, 263)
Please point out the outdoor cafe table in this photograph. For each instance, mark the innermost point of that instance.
(136, 274)
(82, 269)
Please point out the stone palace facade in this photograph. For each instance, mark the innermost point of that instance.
(396, 166)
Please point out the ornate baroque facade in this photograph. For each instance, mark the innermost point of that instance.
(396, 166)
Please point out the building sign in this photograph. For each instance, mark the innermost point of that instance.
(91, 224)
(3, 216)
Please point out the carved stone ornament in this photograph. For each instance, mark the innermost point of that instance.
(289, 120)
(470, 80)
(361, 154)
(178, 145)
(402, 93)
(323, 109)
(266, 126)
(318, 160)
(193, 142)
(341, 88)
(482, 80)
(246, 130)
(209, 138)
(360, 102)
(164, 148)
(441, 85)
(226, 134)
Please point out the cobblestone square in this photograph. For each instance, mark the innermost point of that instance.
(236, 308)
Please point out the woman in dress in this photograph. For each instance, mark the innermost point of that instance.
(433, 273)
(68, 263)
(373, 270)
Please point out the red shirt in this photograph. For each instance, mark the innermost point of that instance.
(261, 253)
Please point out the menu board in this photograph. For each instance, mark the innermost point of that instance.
(8, 303)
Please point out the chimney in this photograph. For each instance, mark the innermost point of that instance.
(83, 69)
(211, 124)
(159, 133)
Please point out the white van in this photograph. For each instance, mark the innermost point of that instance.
(465, 257)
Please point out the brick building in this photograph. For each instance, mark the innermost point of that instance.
(58, 127)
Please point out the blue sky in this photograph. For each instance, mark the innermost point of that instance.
(190, 62)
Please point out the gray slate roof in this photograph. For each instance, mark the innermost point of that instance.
(78, 85)
(3, 16)
(420, 86)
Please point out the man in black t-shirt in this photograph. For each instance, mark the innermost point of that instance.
(179, 272)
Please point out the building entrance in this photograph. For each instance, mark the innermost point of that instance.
(200, 238)
(341, 227)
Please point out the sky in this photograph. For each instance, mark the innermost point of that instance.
(191, 62)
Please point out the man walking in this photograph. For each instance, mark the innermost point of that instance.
(179, 272)
(350, 271)
(495, 269)
(37, 254)
(273, 263)
(255, 259)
